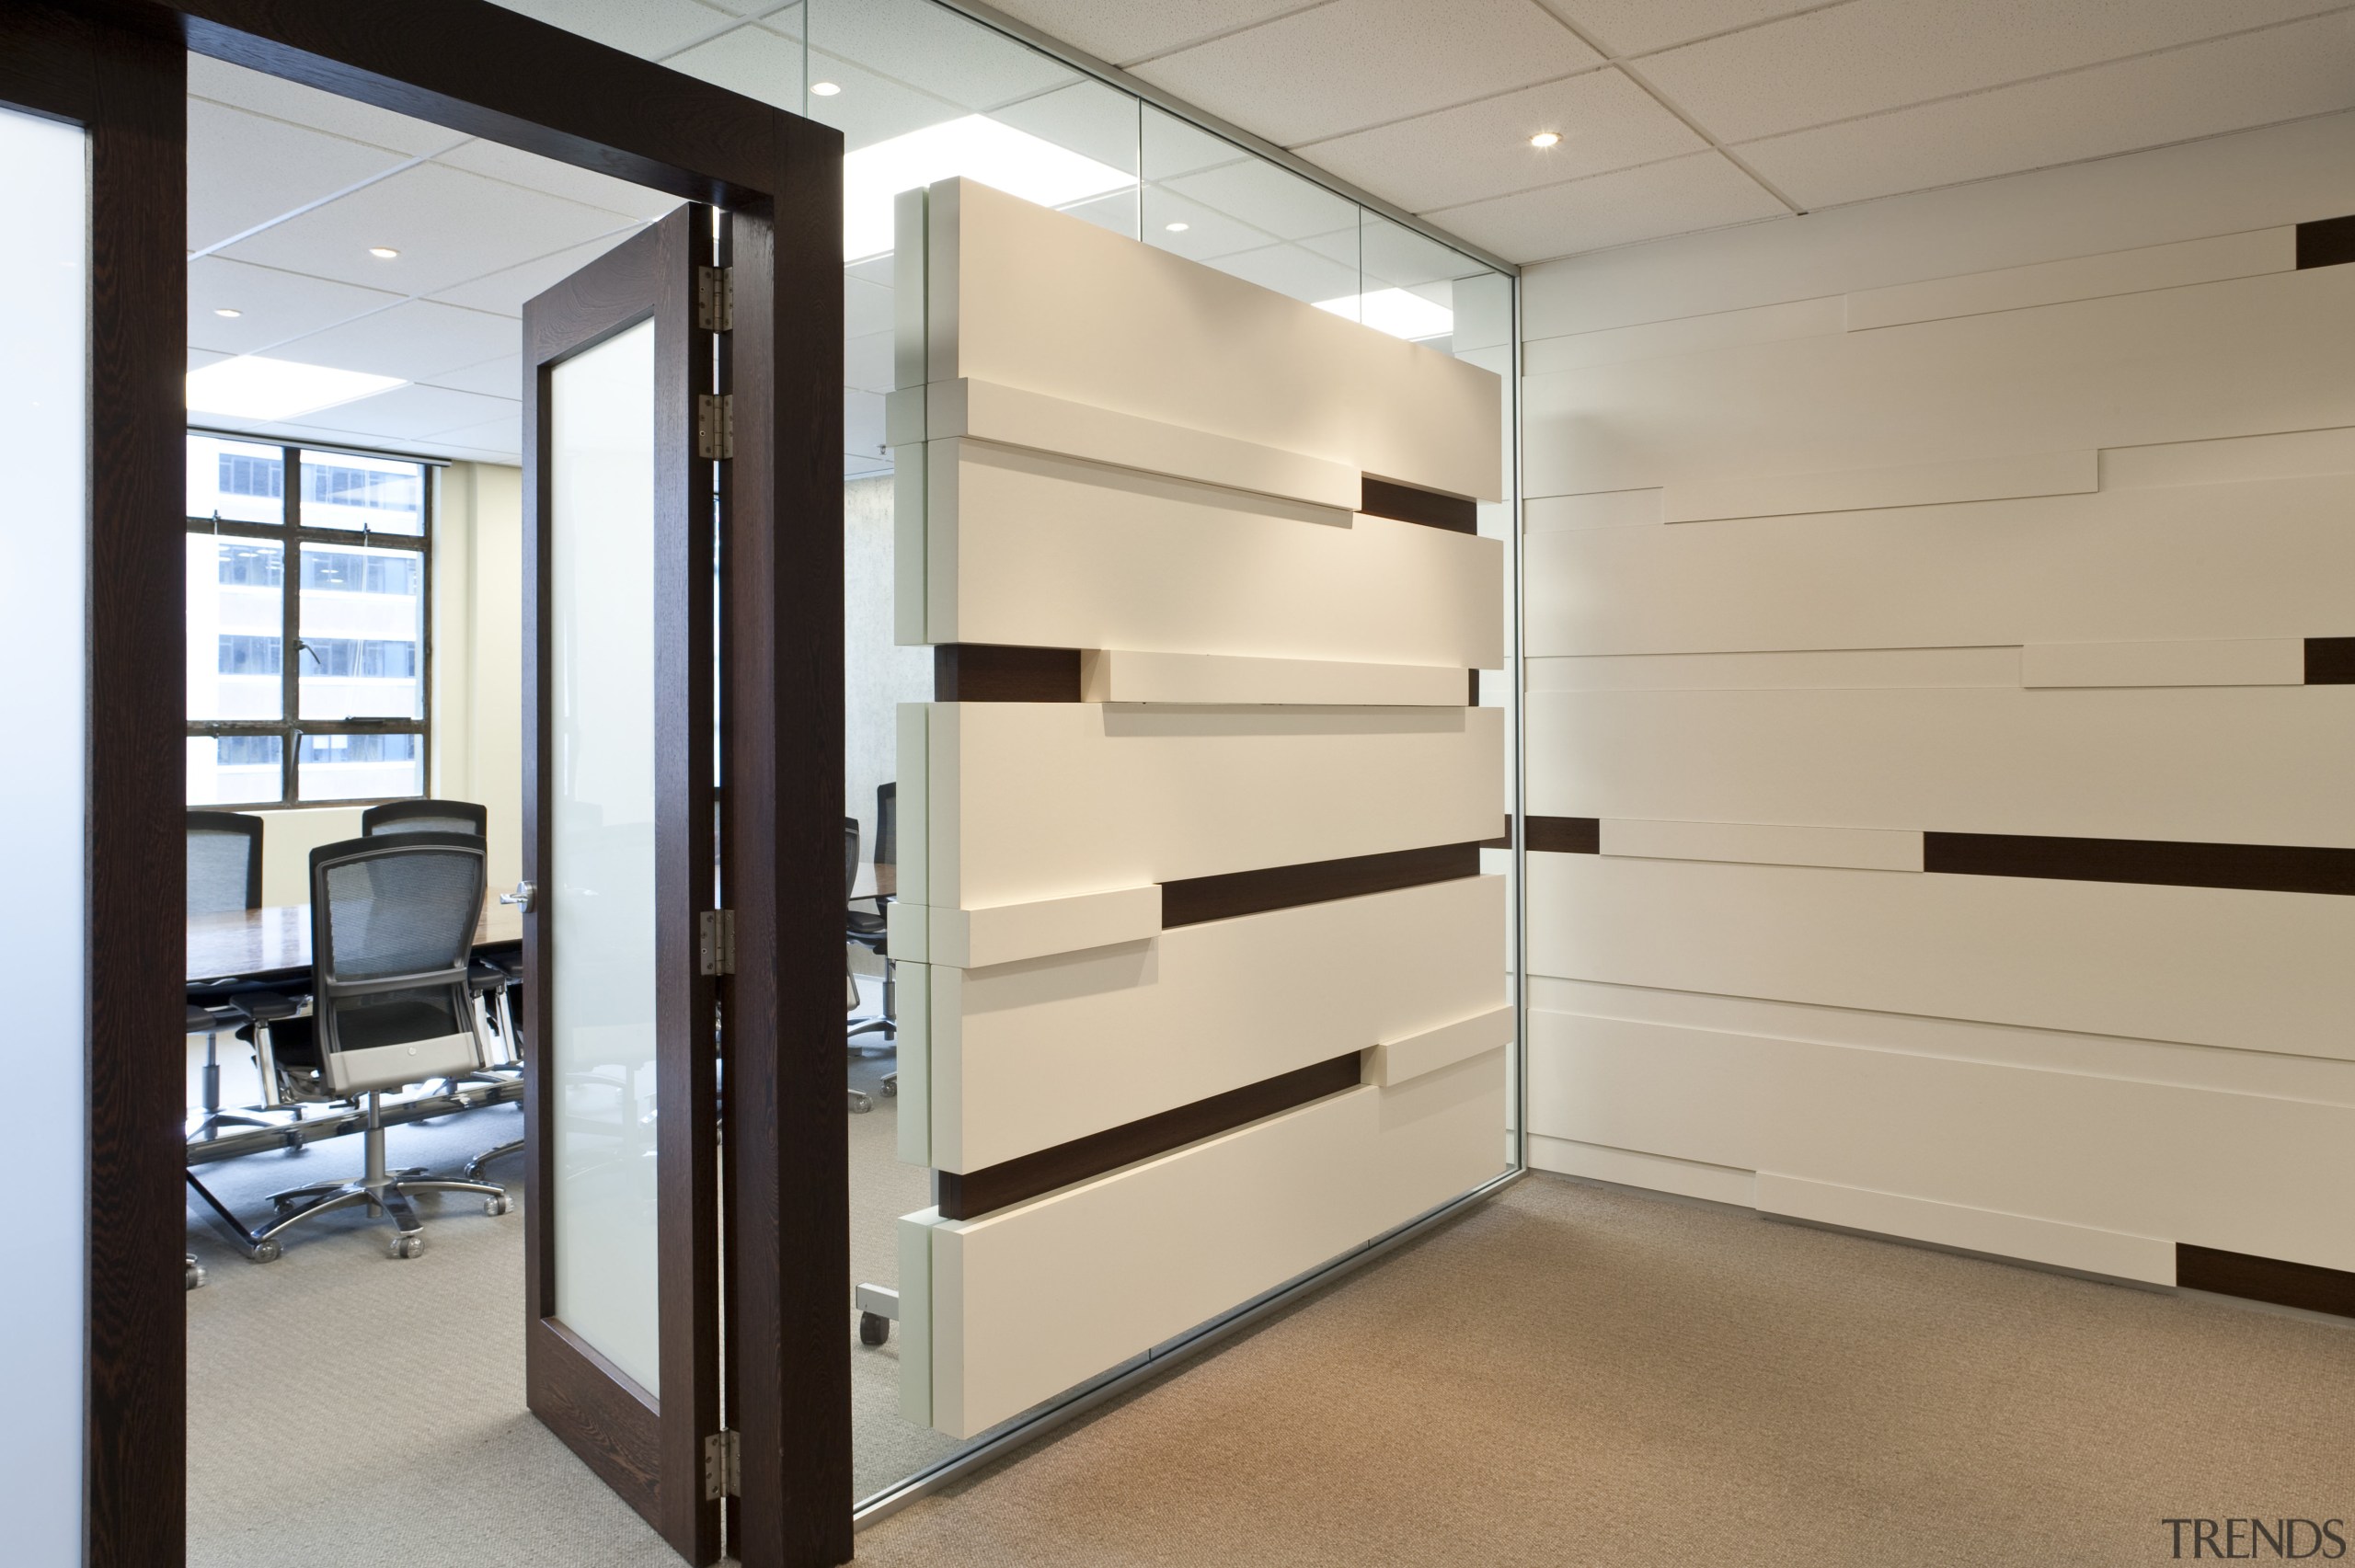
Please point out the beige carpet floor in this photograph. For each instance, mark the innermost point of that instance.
(1572, 1374)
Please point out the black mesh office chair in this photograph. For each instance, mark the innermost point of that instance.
(392, 927)
(425, 816)
(225, 878)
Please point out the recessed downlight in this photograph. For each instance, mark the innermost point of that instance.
(382, 252)
(824, 89)
(225, 311)
(1545, 139)
(1177, 228)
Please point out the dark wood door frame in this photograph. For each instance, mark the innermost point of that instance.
(649, 1449)
(117, 67)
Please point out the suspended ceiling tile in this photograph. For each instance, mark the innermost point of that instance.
(1293, 270)
(504, 291)
(1355, 63)
(648, 27)
(1878, 54)
(552, 179)
(867, 307)
(246, 169)
(934, 51)
(281, 100)
(1173, 146)
(1207, 232)
(503, 377)
(1701, 191)
(1268, 198)
(448, 226)
(1126, 34)
(498, 440)
(410, 411)
(273, 307)
(1089, 117)
(415, 340)
(1117, 211)
(1635, 27)
(1482, 149)
(2254, 79)
(872, 109)
(757, 61)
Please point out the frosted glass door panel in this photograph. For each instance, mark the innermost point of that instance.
(44, 542)
(600, 903)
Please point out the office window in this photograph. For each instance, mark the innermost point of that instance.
(318, 693)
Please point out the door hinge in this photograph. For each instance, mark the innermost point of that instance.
(715, 425)
(716, 299)
(723, 1466)
(716, 943)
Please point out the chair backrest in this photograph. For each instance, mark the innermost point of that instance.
(887, 824)
(223, 862)
(850, 854)
(392, 921)
(424, 817)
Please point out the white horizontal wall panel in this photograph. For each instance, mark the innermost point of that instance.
(1034, 550)
(2167, 1162)
(1024, 296)
(2260, 559)
(2115, 1254)
(1607, 508)
(1032, 1300)
(1686, 335)
(1045, 800)
(2245, 357)
(2218, 966)
(1394, 1061)
(1824, 669)
(2288, 455)
(2221, 662)
(1012, 415)
(2321, 1079)
(1864, 489)
(2169, 266)
(1036, 1054)
(1120, 675)
(1007, 934)
(1861, 849)
(1633, 1168)
(2266, 765)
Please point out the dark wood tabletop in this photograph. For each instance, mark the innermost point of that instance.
(272, 944)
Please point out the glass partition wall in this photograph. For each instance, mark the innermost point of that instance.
(923, 93)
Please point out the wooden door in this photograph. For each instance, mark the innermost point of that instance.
(623, 1347)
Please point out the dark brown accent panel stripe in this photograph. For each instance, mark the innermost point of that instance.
(2266, 868)
(1501, 841)
(1198, 899)
(1381, 498)
(991, 672)
(1473, 699)
(976, 1193)
(2326, 242)
(2253, 1279)
(1566, 835)
(2330, 661)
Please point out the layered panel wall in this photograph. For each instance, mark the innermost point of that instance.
(1939, 730)
(1199, 977)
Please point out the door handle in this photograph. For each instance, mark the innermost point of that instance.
(523, 896)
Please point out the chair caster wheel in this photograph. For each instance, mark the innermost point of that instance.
(407, 1246)
(891, 1088)
(195, 1276)
(859, 1103)
(495, 1207)
(873, 1329)
(268, 1251)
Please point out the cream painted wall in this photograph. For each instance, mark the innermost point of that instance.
(477, 696)
(1823, 516)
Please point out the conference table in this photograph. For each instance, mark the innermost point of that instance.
(271, 946)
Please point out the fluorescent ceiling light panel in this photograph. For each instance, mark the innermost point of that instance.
(976, 147)
(252, 387)
(1397, 311)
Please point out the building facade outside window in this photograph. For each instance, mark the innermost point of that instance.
(318, 694)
